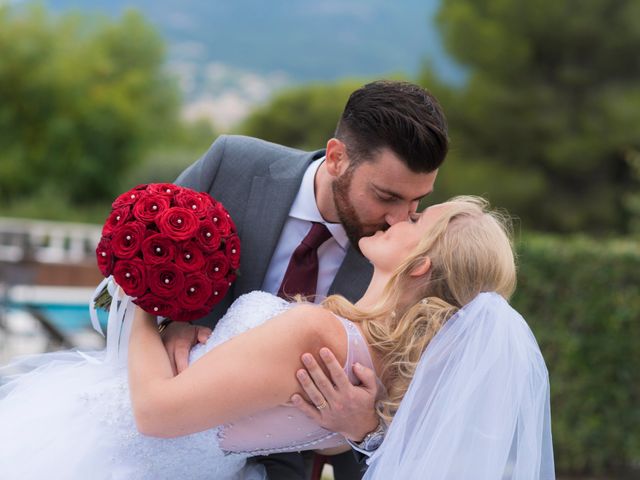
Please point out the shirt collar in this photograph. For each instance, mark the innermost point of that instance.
(304, 206)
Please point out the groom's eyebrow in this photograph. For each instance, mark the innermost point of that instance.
(391, 193)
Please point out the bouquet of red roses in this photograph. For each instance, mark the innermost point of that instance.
(173, 250)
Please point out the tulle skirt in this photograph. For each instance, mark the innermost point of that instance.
(67, 415)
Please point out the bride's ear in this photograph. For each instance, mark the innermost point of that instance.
(422, 268)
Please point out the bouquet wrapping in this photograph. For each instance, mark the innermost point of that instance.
(173, 250)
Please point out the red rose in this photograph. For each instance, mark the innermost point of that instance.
(165, 189)
(189, 257)
(130, 197)
(220, 219)
(104, 255)
(218, 291)
(149, 207)
(232, 249)
(127, 240)
(217, 266)
(208, 236)
(196, 291)
(188, 315)
(232, 225)
(155, 305)
(158, 248)
(198, 203)
(165, 280)
(173, 249)
(130, 275)
(178, 222)
(116, 219)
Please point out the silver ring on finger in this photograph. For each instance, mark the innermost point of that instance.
(322, 405)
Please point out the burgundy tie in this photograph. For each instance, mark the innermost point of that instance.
(301, 276)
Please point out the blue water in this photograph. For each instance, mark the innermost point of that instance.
(68, 318)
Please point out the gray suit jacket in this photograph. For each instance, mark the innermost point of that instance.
(257, 182)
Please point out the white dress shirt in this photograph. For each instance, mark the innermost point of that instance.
(331, 253)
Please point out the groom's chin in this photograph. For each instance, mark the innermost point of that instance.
(371, 230)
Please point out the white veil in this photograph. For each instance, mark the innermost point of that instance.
(478, 405)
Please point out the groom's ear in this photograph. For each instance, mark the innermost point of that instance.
(422, 268)
(336, 159)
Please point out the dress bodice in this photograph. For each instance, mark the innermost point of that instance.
(283, 428)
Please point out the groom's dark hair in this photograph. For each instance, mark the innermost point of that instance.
(400, 116)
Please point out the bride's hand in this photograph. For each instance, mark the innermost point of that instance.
(336, 404)
(178, 338)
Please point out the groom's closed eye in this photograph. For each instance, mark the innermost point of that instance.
(386, 198)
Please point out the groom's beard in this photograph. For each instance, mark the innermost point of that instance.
(353, 226)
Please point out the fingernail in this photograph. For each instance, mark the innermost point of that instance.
(357, 366)
(301, 374)
(324, 353)
(295, 399)
(306, 359)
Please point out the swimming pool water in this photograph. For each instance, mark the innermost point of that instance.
(68, 318)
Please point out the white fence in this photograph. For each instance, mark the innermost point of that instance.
(46, 241)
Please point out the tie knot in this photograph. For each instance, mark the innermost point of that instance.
(318, 234)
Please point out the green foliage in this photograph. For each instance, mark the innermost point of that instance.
(303, 117)
(49, 203)
(632, 200)
(81, 99)
(581, 299)
(550, 109)
(167, 160)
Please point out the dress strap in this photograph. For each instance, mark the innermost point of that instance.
(357, 349)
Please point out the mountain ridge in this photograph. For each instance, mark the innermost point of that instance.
(232, 55)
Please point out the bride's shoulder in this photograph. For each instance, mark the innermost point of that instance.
(312, 313)
(319, 325)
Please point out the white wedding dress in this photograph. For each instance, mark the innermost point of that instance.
(69, 417)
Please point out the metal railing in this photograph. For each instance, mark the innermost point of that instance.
(32, 252)
(46, 241)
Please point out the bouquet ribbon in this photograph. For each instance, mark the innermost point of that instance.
(95, 323)
(119, 321)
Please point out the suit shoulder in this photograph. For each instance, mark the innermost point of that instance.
(256, 146)
(240, 155)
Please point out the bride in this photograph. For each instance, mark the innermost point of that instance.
(79, 415)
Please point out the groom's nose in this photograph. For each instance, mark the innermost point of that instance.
(401, 212)
(397, 215)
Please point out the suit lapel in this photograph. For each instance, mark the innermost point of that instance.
(268, 208)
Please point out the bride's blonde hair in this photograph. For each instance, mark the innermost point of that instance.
(471, 251)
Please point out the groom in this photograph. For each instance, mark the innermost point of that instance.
(388, 145)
